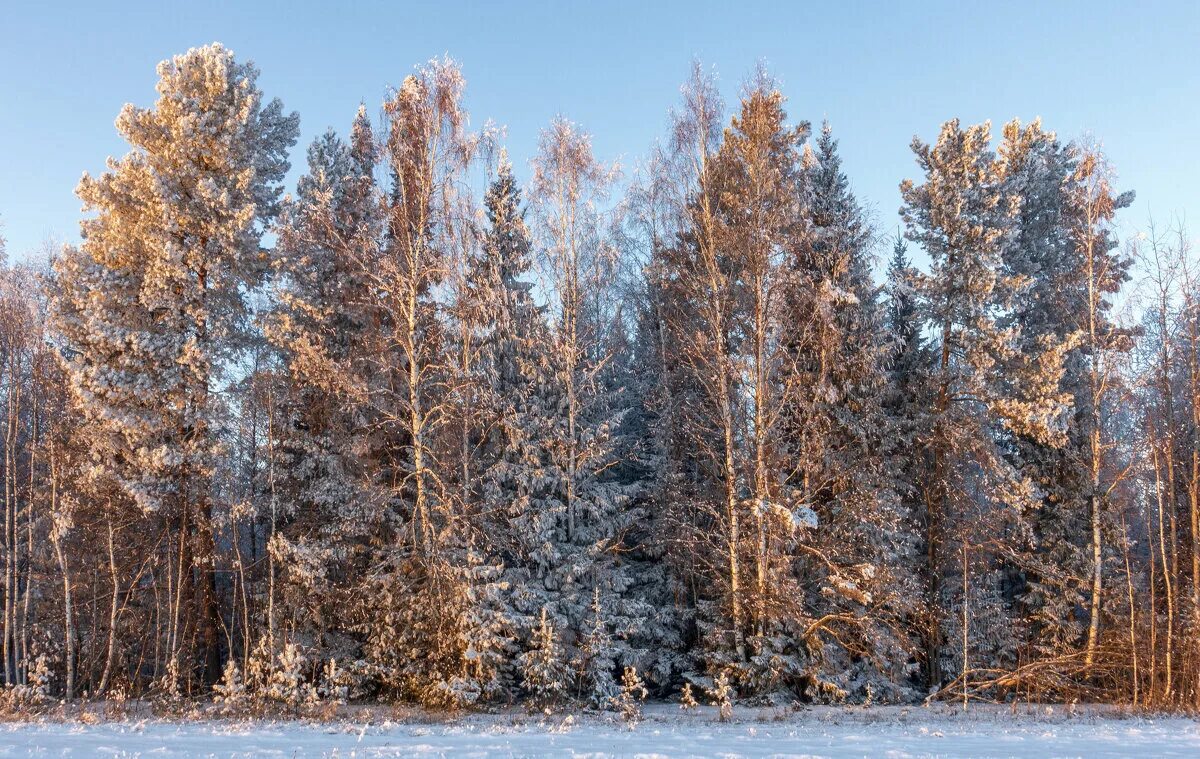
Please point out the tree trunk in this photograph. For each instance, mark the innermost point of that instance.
(110, 654)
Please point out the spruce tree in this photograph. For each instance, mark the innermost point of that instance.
(321, 504)
(907, 402)
(520, 409)
(544, 672)
(585, 440)
(838, 427)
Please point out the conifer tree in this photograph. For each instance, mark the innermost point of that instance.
(521, 403)
(544, 672)
(153, 305)
(958, 217)
(425, 452)
(597, 509)
(519, 409)
(322, 504)
(1061, 246)
(596, 656)
(838, 425)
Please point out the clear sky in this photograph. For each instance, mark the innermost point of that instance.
(1126, 72)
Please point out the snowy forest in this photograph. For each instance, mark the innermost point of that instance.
(702, 430)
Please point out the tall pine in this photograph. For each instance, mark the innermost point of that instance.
(153, 307)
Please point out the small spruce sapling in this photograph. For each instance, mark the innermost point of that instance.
(230, 694)
(596, 653)
(39, 680)
(33, 693)
(168, 684)
(721, 695)
(633, 692)
(335, 683)
(286, 685)
(543, 671)
(687, 699)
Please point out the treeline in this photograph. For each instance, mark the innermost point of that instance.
(548, 443)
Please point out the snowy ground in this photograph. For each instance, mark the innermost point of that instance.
(877, 732)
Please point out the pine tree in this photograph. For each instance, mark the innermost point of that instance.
(1061, 245)
(957, 215)
(1036, 168)
(153, 305)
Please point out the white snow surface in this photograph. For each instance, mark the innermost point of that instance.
(665, 732)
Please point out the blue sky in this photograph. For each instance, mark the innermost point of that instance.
(1124, 72)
